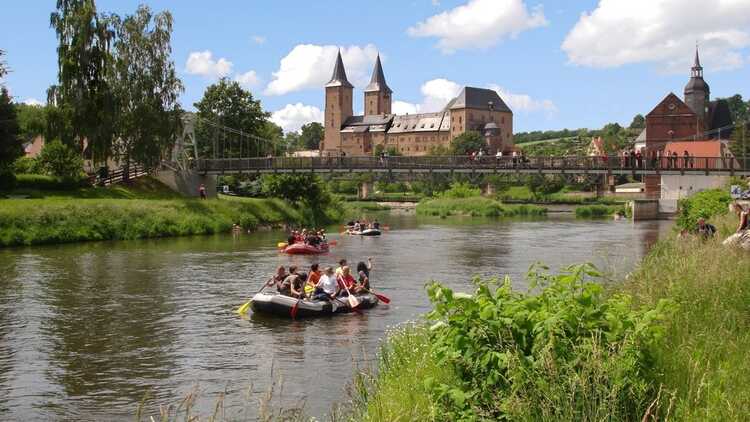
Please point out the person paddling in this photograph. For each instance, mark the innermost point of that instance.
(363, 277)
(312, 279)
(277, 278)
(346, 281)
(327, 288)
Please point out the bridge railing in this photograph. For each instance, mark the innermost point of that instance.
(571, 163)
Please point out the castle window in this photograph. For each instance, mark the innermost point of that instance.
(459, 119)
(432, 125)
(422, 127)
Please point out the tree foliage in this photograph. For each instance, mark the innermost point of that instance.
(311, 135)
(225, 103)
(32, 120)
(639, 122)
(11, 146)
(145, 86)
(738, 108)
(60, 160)
(466, 143)
(739, 143)
(83, 93)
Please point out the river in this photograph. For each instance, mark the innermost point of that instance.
(86, 330)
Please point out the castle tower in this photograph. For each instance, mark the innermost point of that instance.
(377, 93)
(697, 91)
(338, 107)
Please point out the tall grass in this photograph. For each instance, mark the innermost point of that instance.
(600, 211)
(40, 221)
(705, 366)
(476, 206)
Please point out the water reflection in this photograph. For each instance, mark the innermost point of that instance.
(86, 330)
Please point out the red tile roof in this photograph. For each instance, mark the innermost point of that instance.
(696, 148)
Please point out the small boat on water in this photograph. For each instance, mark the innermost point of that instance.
(365, 232)
(280, 305)
(305, 249)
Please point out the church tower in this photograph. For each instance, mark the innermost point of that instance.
(377, 93)
(338, 107)
(697, 92)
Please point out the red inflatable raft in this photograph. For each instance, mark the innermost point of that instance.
(304, 249)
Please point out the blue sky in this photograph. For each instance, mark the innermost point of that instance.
(557, 63)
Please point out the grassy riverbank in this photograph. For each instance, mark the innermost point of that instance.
(476, 206)
(690, 296)
(115, 214)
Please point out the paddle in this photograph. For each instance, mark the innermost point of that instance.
(357, 311)
(353, 301)
(243, 309)
(380, 297)
(295, 308)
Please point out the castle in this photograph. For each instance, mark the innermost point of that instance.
(474, 109)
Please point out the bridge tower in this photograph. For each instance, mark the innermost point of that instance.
(377, 93)
(338, 108)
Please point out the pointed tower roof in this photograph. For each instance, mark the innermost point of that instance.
(696, 82)
(339, 74)
(377, 83)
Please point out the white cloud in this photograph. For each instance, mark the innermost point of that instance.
(258, 39)
(403, 107)
(523, 102)
(479, 24)
(436, 94)
(33, 102)
(293, 116)
(663, 32)
(310, 66)
(202, 63)
(248, 79)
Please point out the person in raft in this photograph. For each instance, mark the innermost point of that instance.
(277, 278)
(346, 282)
(741, 237)
(340, 269)
(363, 277)
(376, 224)
(327, 288)
(312, 280)
(294, 284)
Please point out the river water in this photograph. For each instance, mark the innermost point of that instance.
(87, 330)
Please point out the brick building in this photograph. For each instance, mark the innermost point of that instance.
(693, 118)
(474, 109)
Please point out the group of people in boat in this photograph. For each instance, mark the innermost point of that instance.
(358, 226)
(322, 284)
(310, 237)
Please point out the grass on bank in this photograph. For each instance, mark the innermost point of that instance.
(44, 221)
(705, 366)
(601, 211)
(476, 206)
(36, 186)
(523, 194)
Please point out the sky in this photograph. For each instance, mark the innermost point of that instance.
(557, 63)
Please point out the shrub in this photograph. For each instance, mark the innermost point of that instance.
(600, 211)
(705, 204)
(48, 183)
(57, 159)
(27, 165)
(461, 190)
(566, 353)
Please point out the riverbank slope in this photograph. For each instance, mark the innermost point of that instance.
(146, 209)
(693, 295)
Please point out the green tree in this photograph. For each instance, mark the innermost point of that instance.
(273, 139)
(466, 143)
(32, 120)
(738, 108)
(60, 160)
(739, 143)
(311, 135)
(11, 146)
(225, 103)
(146, 88)
(85, 63)
(639, 122)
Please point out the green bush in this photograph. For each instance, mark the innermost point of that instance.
(59, 160)
(705, 204)
(47, 183)
(476, 206)
(600, 211)
(461, 190)
(566, 353)
(27, 165)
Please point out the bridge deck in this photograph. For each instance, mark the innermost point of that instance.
(716, 166)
